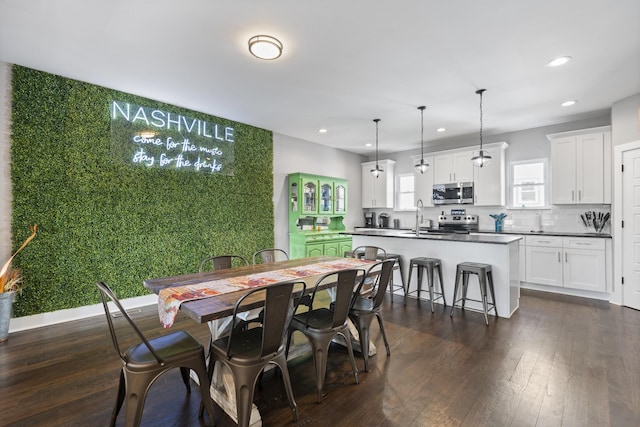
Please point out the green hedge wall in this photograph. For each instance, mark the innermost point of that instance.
(102, 220)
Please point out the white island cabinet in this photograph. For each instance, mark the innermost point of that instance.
(501, 251)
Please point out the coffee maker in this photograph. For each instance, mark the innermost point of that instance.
(383, 220)
(370, 220)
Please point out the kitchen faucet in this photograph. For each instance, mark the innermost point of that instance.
(419, 208)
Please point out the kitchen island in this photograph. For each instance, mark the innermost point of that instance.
(501, 251)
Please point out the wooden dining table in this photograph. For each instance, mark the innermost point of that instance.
(217, 310)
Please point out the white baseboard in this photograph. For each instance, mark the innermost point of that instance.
(60, 316)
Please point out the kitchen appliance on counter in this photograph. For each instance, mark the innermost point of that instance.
(370, 220)
(456, 193)
(383, 220)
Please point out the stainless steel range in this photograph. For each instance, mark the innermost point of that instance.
(454, 223)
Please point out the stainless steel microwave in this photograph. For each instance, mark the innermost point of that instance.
(457, 193)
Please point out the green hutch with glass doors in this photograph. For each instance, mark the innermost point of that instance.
(317, 207)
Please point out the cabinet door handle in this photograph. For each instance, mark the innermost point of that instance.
(559, 260)
(572, 195)
(565, 257)
(579, 195)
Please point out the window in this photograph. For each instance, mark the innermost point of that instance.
(529, 184)
(405, 192)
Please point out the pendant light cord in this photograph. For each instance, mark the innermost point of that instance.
(376, 120)
(422, 132)
(480, 92)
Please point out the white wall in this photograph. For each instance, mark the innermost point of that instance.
(625, 120)
(292, 155)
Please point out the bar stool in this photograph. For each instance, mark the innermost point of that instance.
(429, 264)
(382, 255)
(483, 271)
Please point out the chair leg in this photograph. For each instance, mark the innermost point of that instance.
(455, 291)
(205, 384)
(465, 287)
(384, 336)
(444, 299)
(493, 295)
(430, 284)
(420, 272)
(320, 350)
(482, 279)
(362, 324)
(406, 291)
(137, 387)
(184, 372)
(347, 337)
(282, 364)
(119, 399)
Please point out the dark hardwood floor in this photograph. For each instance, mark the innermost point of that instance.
(559, 361)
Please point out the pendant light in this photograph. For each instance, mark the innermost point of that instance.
(482, 158)
(378, 170)
(422, 166)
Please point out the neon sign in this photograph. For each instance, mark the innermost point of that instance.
(152, 137)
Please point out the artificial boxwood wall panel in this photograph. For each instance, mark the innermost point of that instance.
(104, 220)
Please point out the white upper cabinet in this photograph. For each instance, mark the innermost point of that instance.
(489, 180)
(453, 167)
(378, 192)
(581, 166)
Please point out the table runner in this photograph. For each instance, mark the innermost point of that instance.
(169, 299)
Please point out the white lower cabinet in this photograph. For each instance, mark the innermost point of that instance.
(570, 262)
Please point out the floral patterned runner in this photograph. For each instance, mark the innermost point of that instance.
(169, 299)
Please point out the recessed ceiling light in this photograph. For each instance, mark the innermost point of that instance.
(561, 60)
(568, 103)
(322, 130)
(441, 129)
(368, 144)
(265, 47)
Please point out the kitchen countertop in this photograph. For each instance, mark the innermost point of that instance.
(502, 233)
(500, 239)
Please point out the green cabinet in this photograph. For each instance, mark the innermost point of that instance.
(317, 207)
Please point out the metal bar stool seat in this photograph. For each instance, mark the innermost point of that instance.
(428, 264)
(485, 276)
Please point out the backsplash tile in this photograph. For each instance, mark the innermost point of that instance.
(558, 218)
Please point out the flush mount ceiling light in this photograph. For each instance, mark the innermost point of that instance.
(323, 130)
(482, 158)
(265, 47)
(556, 62)
(377, 170)
(569, 103)
(422, 166)
(440, 130)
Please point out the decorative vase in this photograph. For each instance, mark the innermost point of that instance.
(6, 306)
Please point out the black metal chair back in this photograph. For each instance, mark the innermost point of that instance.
(221, 262)
(269, 255)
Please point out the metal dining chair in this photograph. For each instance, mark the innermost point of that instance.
(369, 253)
(246, 353)
(269, 255)
(321, 325)
(220, 262)
(365, 308)
(144, 362)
